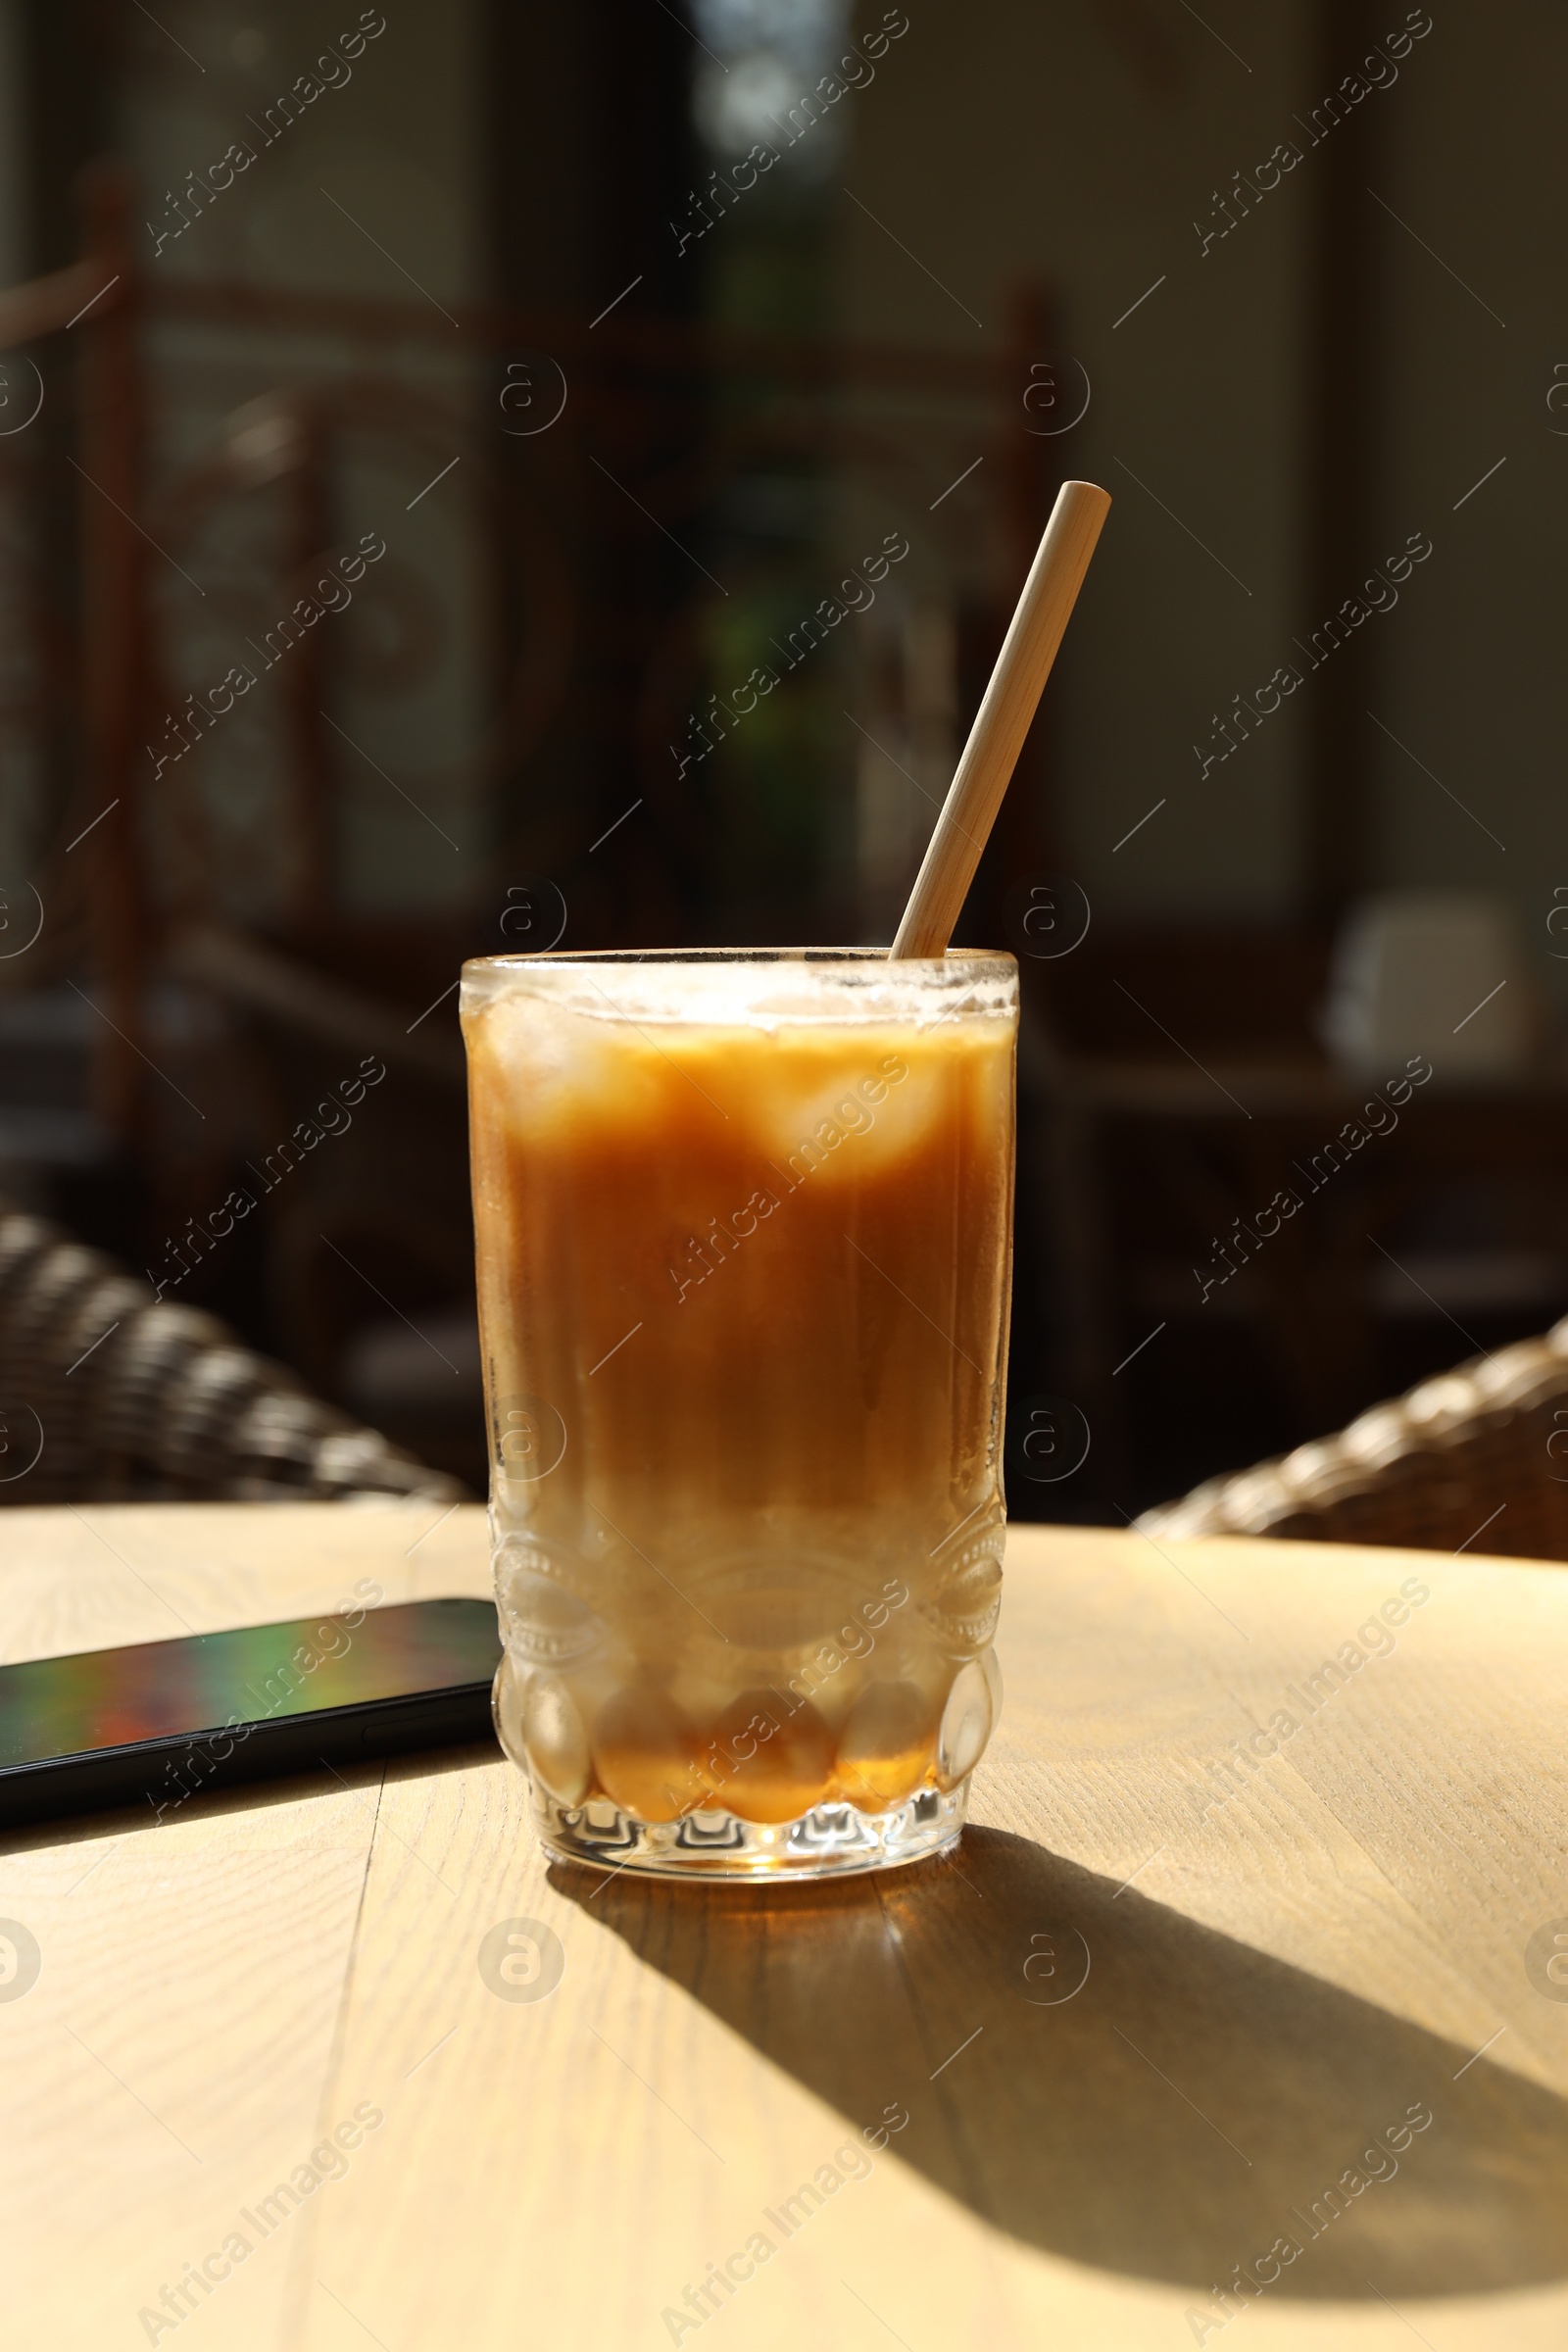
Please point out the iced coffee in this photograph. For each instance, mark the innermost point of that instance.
(744, 1230)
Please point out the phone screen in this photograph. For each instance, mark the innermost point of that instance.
(204, 1683)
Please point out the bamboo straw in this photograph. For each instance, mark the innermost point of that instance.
(1002, 721)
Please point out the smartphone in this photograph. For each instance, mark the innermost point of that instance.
(157, 1723)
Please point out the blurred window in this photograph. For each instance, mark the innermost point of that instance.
(766, 56)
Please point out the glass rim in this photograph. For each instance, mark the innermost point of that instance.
(632, 957)
(746, 987)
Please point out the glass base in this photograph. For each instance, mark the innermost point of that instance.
(828, 1842)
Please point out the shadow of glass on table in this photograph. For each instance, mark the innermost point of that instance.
(1109, 2080)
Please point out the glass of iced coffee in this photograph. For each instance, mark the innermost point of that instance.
(744, 1230)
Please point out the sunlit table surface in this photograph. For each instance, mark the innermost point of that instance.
(1178, 2047)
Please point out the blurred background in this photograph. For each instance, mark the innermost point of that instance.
(503, 475)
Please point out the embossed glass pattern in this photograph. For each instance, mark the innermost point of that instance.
(744, 1227)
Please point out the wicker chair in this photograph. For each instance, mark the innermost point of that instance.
(1478, 1451)
(106, 1395)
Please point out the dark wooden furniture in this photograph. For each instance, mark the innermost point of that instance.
(1176, 1092)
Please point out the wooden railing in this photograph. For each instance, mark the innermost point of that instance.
(92, 324)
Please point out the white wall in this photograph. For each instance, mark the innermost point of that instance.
(1005, 139)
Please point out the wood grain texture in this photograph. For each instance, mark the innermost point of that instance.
(1274, 1975)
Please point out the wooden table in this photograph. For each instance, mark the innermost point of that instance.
(1273, 1987)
